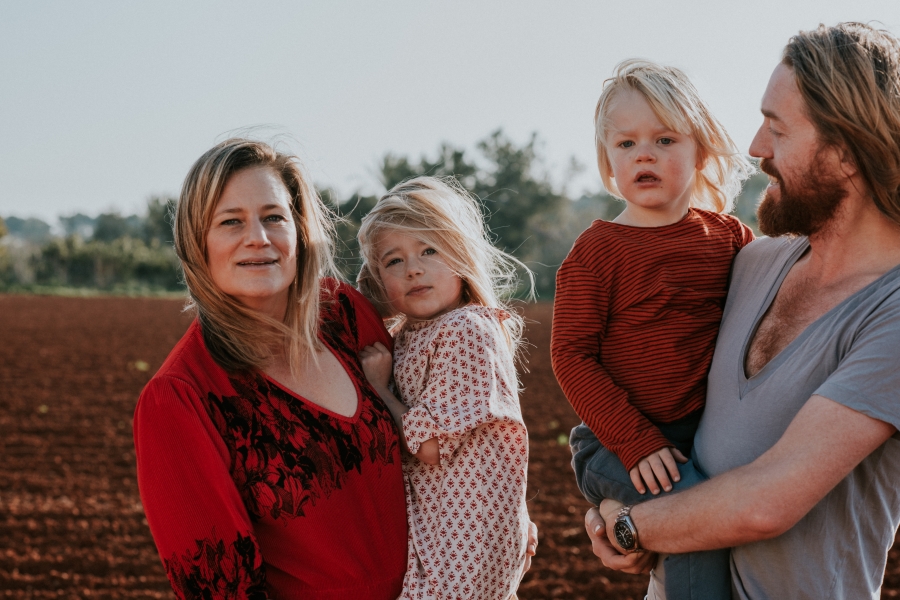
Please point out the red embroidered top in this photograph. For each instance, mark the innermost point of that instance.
(635, 320)
(252, 492)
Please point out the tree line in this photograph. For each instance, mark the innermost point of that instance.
(528, 215)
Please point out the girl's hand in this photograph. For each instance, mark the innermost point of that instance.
(657, 466)
(377, 364)
(530, 548)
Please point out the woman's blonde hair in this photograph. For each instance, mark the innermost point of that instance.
(442, 214)
(237, 337)
(679, 107)
(849, 78)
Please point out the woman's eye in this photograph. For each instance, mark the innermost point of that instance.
(230, 222)
(275, 218)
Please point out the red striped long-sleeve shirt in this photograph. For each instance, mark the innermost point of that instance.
(635, 320)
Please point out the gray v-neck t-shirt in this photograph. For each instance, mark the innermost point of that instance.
(850, 355)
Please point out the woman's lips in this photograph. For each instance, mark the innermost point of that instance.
(257, 263)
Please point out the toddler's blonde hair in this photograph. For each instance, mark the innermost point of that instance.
(442, 214)
(679, 107)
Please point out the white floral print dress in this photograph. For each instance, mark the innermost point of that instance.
(468, 521)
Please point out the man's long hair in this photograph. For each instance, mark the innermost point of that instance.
(849, 77)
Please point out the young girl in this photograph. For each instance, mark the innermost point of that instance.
(639, 300)
(427, 261)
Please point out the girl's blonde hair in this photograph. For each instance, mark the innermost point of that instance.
(237, 337)
(442, 214)
(679, 107)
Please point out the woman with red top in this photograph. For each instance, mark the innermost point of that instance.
(267, 465)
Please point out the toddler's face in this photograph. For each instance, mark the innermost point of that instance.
(654, 167)
(418, 282)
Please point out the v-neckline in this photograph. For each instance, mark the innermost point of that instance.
(359, 396)
(749, 383)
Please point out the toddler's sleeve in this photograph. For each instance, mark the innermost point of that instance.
(471, 382)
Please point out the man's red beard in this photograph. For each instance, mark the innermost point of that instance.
(805, 207)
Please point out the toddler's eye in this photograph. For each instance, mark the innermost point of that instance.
(626, 144)
(666, 141)
(392, 262)
(429, 251)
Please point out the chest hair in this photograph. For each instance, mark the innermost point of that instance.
(800, 301)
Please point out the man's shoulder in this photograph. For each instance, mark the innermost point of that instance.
(763, 252)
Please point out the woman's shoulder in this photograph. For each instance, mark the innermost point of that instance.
(189, 353)
(344, 304)
(338, 295)
(188, 365)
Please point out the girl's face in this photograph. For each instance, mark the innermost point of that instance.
(417, 280)
(654, 167)
(251, 246)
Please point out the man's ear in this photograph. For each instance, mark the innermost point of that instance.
(848, 165)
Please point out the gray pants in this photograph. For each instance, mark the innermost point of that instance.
(600, 474)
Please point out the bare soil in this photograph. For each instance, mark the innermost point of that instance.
(71, 523)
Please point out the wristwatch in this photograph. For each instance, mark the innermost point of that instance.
(625, 531)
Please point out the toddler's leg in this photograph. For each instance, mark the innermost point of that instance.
(698, 575)
(598, 472)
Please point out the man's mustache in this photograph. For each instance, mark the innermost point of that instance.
(766, 166)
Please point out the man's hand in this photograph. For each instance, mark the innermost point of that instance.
(377, 364)
(657, 466)
(636, 563)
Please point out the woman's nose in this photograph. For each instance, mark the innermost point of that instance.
(256, 234)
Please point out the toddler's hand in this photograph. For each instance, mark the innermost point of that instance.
(376, 363)
(657, 466)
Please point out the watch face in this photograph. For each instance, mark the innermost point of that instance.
(623, 535)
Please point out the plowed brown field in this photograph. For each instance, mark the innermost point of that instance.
(71, 524)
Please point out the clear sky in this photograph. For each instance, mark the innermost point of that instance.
(104, 103)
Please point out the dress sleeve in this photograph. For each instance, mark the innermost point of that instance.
(199, 523)
(471, 382)
(580, 315)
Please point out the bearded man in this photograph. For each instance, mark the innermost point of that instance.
(799, 433)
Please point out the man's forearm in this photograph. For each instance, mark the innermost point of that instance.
(716, 514)
(765, 498)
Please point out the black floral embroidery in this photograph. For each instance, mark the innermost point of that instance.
(215, 570)
(286, 454)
